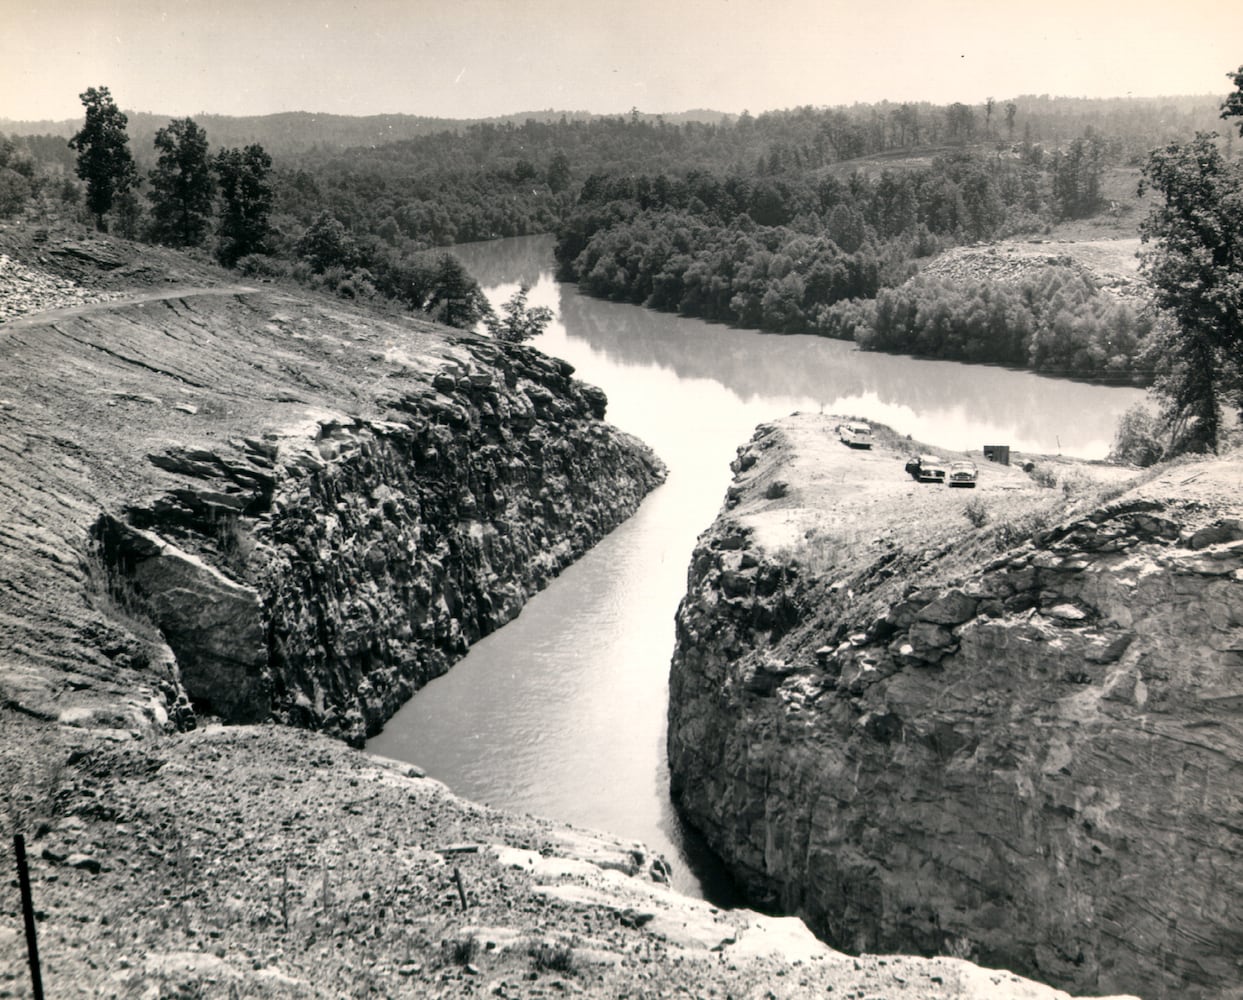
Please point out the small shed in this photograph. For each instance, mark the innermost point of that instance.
(999, 453)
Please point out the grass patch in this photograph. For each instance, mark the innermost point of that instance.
(460, 950)
(976, 512)
(34, 763)
(1013, 532)
(551, 956)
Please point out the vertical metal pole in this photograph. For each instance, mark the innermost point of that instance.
(28, 909)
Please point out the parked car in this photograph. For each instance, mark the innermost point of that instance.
(963, 474)
(926, 468)
(855, 434)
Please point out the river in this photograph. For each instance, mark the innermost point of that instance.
(562, 712)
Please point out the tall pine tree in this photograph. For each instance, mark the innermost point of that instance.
(182, 187)
(246, 202)
(104, 159)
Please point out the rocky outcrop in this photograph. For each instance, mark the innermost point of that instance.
(255, 505)
(26, 290)
(1036, 762)
(323, 579)
(270, 861)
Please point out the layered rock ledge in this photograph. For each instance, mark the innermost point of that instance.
(250, 505)
(1001, 722)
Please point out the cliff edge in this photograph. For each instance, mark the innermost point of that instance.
(1000, 722)
(247, 503)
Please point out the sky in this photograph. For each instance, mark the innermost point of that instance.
(480, 58)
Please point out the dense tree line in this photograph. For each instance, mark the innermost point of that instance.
(1054, 320)
(755, 220)
(1134, 125)
(489, 180)
(781, 253)
(457, 181)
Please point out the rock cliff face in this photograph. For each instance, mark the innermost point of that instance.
(364, 559)
(1038, 762)
(251, 505)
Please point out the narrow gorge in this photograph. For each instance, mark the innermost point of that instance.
(1000, 722)
(315, 509)
(240, 525)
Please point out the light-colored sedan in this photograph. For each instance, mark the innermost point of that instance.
(963, 474)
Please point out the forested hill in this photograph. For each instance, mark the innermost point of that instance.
(801, 220)
(296, 132)
(808, 135)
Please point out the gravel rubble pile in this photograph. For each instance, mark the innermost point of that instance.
(25, 290)
(1011, 263)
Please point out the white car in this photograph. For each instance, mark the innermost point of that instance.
(963, 474)
(855, 434)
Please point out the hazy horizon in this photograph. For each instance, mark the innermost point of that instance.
(662, 112)
(493, 58)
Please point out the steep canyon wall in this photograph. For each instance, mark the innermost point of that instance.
(1037, 762)
(267, 508)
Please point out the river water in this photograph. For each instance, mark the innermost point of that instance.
(561, 713)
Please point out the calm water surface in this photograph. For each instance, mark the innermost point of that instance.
(562, 712)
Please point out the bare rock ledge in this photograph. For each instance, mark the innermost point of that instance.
(1002, 722)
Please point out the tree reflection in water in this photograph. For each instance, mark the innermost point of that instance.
(946, 403)
(562, 712)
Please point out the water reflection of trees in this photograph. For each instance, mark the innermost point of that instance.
(517, 261)
(755, 365)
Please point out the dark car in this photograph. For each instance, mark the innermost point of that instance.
(926, 468)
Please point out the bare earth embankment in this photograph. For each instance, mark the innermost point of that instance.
(1112, 263)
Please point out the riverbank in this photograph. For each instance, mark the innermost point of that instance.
(989, 719)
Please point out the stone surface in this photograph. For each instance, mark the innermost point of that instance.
(25, 289)
(249, 504)
(272, 862)
(1051, 778)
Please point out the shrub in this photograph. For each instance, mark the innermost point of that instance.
(547, 956)
(257, 265)
(1137, 440)
(1043, 475)
(976, 512)
(461, 950)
